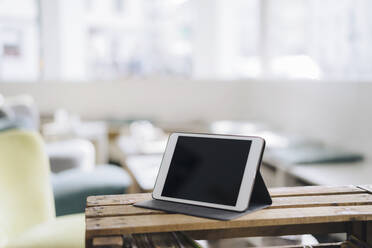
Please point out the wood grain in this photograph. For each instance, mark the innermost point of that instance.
(266, 217)
(118, 210)
(322, 200)
(109, 241)
(106, 200)
(295, 210)
(124, 199)
(278, 202)
(314, 190)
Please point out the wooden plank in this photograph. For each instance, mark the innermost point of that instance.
(108, 242)
(295, 210)
(314, 190)
(324, 228)
(322, 200)
(278, 202)
(267, 217)
(118, 210)
(124, 199)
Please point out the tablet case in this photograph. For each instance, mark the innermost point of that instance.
(260, 198)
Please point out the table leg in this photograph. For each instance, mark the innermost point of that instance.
(369, 233)
(361, 233)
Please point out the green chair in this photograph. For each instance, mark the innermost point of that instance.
(73, 186)
(76, 175)
(27, 212)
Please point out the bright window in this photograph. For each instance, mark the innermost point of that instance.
(138, 38)
(19, 40)
(85, 40)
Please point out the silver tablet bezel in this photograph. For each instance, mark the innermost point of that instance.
(249, 175)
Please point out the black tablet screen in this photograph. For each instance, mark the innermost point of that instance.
(207, 169)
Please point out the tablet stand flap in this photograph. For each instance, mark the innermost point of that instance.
(260, 194)
(260, 198)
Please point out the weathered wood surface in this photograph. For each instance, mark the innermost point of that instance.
(278, 202)
(274, 192)
(109, 241)
(296, 210)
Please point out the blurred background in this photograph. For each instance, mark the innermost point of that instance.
(87, 40)
(104, 82)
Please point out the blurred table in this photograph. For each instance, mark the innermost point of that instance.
(279, 171)
(334, 174)
(144, 167)
(319, 173)
(144, 170)
(141, 160)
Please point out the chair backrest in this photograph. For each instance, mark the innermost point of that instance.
(26, 196)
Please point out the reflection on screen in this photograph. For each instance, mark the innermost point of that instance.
(207, 169)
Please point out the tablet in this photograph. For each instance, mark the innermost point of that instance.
(215, 171)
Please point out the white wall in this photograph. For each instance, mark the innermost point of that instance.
(335, 112)
(63, 39)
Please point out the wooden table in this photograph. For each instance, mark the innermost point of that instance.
(295, 210)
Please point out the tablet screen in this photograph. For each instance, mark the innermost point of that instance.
(207, 169)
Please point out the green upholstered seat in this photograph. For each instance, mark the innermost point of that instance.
(72, 187)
